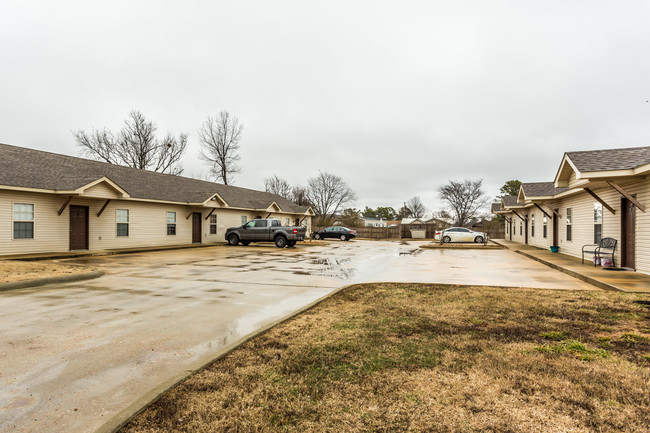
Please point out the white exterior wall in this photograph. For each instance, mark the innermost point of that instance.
(583, 222)
(147, 222)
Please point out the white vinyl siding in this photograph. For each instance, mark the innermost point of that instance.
(582, 222)
(146, 223)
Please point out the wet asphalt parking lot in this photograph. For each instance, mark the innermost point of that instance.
(75, 355)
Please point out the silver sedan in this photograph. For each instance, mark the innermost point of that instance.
(461, 234)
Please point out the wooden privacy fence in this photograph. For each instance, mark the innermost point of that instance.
(404, 231)
(399, 232)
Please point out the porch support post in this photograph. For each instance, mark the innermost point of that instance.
(101, 211)
(268, 215)
(64, 205)
(189, 214)
(626, 195)
(600, 200)
(211, 212)
(543, 211)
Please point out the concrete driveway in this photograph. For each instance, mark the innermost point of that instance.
(75, 355)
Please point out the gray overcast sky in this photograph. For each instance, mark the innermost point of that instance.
(395, 97)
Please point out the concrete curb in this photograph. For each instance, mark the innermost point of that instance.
(464, 247)
(119, 420)
(98, 253)
(4, 287)
(574, 274)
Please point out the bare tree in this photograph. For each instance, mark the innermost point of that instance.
(416, 207)
(134, 146)
(464, 199)
(219, 137)
(279, 186)
(327, 194)
(299, 196)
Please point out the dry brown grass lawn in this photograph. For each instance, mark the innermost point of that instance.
(13, 270)
(426, 358)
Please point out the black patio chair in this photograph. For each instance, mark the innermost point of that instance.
(607, 247)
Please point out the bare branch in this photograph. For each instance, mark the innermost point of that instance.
(415, 207)
(279, 186)
(328, 193)
(220, 137)
(464, 199)
(135, 146)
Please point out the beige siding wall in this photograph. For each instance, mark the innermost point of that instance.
(102, 190)
(147, 223)
(582, 205)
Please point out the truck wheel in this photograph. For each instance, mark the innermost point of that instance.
(317, 236)
(245, 243)
(280, 242)
(291, 243)
(343, 238)
(233, 240)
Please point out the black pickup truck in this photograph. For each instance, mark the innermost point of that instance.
(266, 230)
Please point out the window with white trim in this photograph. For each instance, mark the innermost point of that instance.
(244, 219)
(544, 226)
(532, 226)
(598, 222)
(171, 223)
(122, 220)
(213, 224)
(23, 221)
(569, 217)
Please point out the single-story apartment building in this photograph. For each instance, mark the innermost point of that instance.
(595, 194)
(53, 203)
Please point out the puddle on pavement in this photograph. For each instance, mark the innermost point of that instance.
(413, 252)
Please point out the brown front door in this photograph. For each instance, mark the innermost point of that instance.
(526, 234)
(78, 227)
(555, 229)
(628, 234)
(196, 228)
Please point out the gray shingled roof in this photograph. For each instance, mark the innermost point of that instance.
(610, 159)
(510, 200)
(28, 168)
(496, 207)
(541, 189)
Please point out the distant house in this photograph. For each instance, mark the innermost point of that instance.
(374, 222)
(52, 203)
(595, 194)
(441, 223)
(412, 221)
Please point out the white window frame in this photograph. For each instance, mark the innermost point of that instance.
(13, 220)
(569, 224)
(171, 223)
(244, 219)
(128, 223)
(213, 224)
